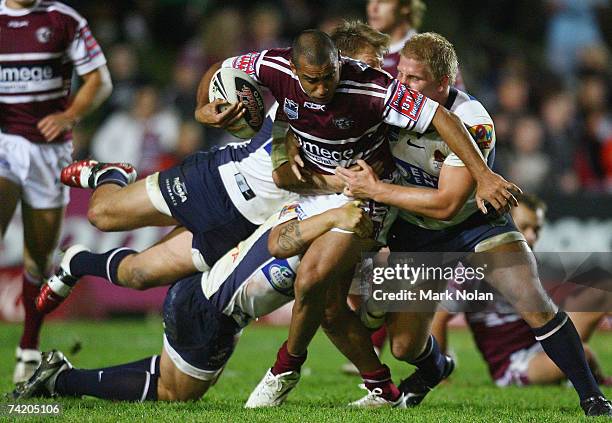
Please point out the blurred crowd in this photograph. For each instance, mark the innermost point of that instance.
(542, 69)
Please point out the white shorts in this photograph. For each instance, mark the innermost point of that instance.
(516, 373)
(36, 169)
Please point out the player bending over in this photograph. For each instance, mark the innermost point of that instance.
(505, 341)
(439, 214)
(204, 315)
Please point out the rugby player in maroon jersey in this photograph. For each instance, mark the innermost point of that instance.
(338, 110)
(41, 43)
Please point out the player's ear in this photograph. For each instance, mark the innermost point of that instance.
(293, 67)
(444, 83)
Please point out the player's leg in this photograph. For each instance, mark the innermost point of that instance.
(118, 203)
(120, 208)
(328, 259)
(174, 385)
(411, 341)
(41, 232)
(515, 277)
(165, 262)
(10, 193)
(345, 330)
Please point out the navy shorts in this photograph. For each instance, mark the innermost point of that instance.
(198, 338)
(197, 199)
(464, 237)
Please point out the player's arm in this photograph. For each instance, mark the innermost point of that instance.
(210, 114)
(289, 172)
(455, 185)
(293, 237)
(490, 186)
(96, 88)
(439, 328)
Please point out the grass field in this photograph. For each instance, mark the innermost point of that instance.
(321, 395)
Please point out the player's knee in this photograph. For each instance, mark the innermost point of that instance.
(330, 317)
(403, 349)
(97, 214)
(311, 283)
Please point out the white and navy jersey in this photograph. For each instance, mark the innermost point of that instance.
(352, 126)
(248, 282)
(420, 157)
(246, 172)
(39, 48)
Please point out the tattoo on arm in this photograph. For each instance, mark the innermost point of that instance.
(290, 237)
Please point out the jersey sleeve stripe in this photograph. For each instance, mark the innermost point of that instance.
(276, 66)
(363, 92)
(362, 84)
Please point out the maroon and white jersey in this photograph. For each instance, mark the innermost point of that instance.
(498, 331)
(353, 125)
(39, 48)
(392, 58)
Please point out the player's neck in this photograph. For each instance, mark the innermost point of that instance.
(11, 4)
(399, 32)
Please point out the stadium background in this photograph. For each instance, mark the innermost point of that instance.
(542, 68)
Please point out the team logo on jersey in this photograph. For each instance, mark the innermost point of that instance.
(179, 188)
(43, 34)
(344, 123)
(280, 276)
(246, 62)
(291, 108)
(407, 102)
(314, 106)
(483, 135)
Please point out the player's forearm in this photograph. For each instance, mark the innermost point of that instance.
(294, 237)
(202, 94)
(96, 88)
(453, 132)
(313, 183)
(428, 202)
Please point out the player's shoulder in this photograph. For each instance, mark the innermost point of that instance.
(354, 70)
(469, 108)
(61, 9)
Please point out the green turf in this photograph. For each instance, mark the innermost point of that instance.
(321, 395)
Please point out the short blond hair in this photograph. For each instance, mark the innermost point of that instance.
(351, 37)
(417, 12)
(435, 51)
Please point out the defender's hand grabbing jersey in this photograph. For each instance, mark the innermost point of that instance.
(352, 126)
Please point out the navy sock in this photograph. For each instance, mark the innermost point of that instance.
(431, 362)
(562, 344)
(105, 265)
(149, 364)
(112, 176)
(122, 385)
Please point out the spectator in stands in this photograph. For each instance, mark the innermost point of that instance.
(145, 135)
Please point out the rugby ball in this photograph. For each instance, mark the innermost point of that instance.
(233, 85)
